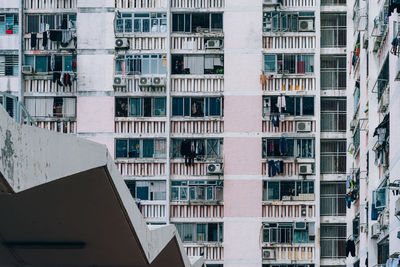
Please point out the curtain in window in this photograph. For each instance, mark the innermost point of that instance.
(69, 107)
(135, 107)
(148, 148)
(159, 148)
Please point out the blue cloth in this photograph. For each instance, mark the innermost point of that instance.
(283, 146)
(374, 213)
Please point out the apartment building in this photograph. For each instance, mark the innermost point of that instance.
(373, 50)
(226, 118)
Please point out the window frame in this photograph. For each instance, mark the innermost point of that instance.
(206, 106)
(281, 68)
(309, 189)
(190, 16)
(141, 101)
(141, 148)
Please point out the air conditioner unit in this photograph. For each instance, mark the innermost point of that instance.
(268, 254)
(384, 219)
(119, 81)
(121, 43)
(158, 112)
(300, 226)
(213, 44)
(158, 81)
(26, 69)
(306, 25)
(303, 126)
(375, 230)
(271, 2)
(145, 81)
(214, 168)
(397, 208)
(305, 169)
(70, 46)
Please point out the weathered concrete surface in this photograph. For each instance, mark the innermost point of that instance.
(57, 189)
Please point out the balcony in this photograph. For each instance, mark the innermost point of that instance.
(197, 126)
(140, 125)
(290, 210)
(211, 251)
(45, 84)
(200, 210)
(141, 168)
(57, 126)
(298, 3)
(289, 42)
(197, 43)
(292, 252)
(49, 4)
(197, 84)
(140, 3)
(153, 210)
(197, 3)
(296, 83)
(199, 168)
(290, 168)
(130, 85)
(286, 126)
(51, 46)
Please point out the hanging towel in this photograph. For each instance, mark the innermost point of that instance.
(44, 39)
(56, 36)
(66, 37)
(33, 39)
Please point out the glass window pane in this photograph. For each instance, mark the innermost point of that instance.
(121, 107)
(183, 191)
(212, 235)
(269, 63)
(308, 106)
(41, 64)
(159, 149)
(273, 191)
(121, 148)
(201, 232)
(68, 63)
(177, 106)
(134, 148)
(148, 148)
(134, 107)
(174, 193)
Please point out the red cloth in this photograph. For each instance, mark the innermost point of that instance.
(301, 67)
(9, 31)
(74, 64)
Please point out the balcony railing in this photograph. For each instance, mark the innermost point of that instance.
(206, 126)
(141, 3)
(65, 126)
(197, 3)
(333, 2)
(49, 4)
(51, 46)
(132, 86)
(152, 210)
(290, 168)
(286, 126)
(129, 168)
(40, 84)
(153, 126)
(210, 251)
(289, 42)
(196, 84)
(289, 210)
(178, 168)
(183, 210)
(294, 252)
(282, 83)
(298, 3)
(144, 42)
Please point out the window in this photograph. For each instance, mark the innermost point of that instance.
(333, 72)
(141, 22)
(40, 22)
(295, 105)
(283, 190)
(277, 21)
(9, 65)
(136, 107)
(196, 106)
(382, 81)
(42, 64)
(197, 22)
(41, 107)
(288, 63)
(333, 29)
(140, 64)
(333, 114)
(333, 201)
(203, 148)
(9, 23)
(147, 190)
(333, 240)
(140, 148)
(198, 64)
(288, 147)
(379, 197)
(332, 2)
(288, 233)
(333, 156)
(197, 190)
(383, 251)
(200, 232)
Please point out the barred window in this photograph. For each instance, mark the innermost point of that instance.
(9, 65)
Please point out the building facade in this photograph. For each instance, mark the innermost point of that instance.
(226, 118)
(373, 155)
